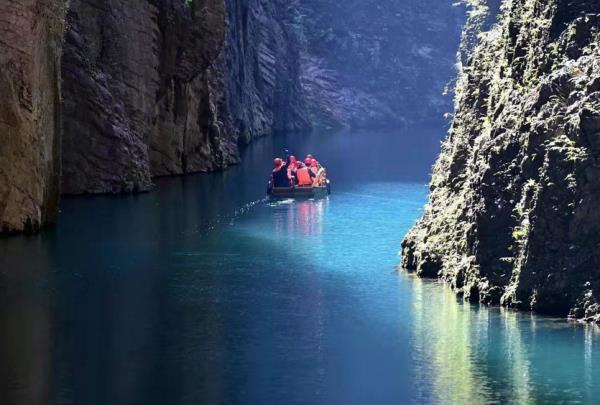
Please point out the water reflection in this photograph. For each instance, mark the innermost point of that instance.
(303, 218)
(443, 349)
(470, 354)
(518, 363)
(201, 292)
(588, 359)
(26, 342)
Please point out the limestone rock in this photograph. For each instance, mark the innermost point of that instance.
(263, 69)
(141, 99)
(110, 80)
(372, 63)
(513, 211)
(30, 49)
(193, 130)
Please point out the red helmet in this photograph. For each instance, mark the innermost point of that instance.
(308, 161)
(314, 163)
(293, 159)
(278, 162)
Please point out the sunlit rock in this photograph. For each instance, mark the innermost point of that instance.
(516, 187)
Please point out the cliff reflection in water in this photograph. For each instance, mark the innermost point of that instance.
(469, 354)
(439, 326)
(27, 371)
(203, 292)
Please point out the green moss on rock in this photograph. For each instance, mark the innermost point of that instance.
(512, 217)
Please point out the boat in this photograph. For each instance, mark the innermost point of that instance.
(299, 192)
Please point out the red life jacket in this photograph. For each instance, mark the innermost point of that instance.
(304, 177)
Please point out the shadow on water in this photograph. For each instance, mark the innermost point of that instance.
(204, 292)
(26, 332)
(110, 325)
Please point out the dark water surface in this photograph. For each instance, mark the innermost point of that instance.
(203, 293)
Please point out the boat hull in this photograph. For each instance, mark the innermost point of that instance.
(298, 192)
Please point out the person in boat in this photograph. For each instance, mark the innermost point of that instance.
(314, 166)
(294, 173)
(280, 174)
(291, 168)
(290, 160)
(320, 174)
(304, 176)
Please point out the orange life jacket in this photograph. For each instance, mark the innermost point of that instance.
(304, 177)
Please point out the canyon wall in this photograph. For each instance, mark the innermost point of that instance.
(143, 93)
(165, 87)
(30, 108)
(263, 69)
(378, 63)
(150, 88)
(513, 215)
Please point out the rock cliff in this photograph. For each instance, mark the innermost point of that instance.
(166, 87)
(378, 63)
(30, 107)
(513, 213)
(263, 68)
(193, 131)
(150, 88)
(142, 95)
(163, 87)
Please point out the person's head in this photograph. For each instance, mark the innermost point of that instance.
(314, 163)
(309, 156)
(278, 162)
(308, 161)
(299, 165)
(293, 159)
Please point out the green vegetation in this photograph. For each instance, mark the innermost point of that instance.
(512, 187)
(519, 233)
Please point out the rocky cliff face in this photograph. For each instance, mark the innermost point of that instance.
(193, 131)
(142, 95)
(374, 62)
(151, 88)
(30, 48)
(263, 68)
(513, 214)
(163, 87)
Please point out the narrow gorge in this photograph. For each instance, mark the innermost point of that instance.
(160, 244)
(103, 96)
(513, 216)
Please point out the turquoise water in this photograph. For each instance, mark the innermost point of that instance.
(203, 292)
